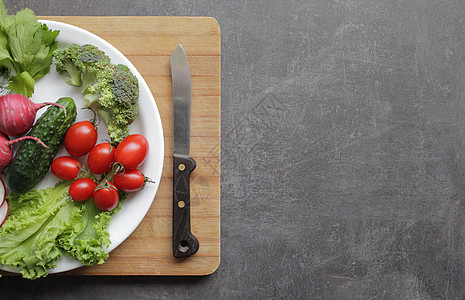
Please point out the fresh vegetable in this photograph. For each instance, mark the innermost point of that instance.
(82, 189)
(111, 90)
(6, 150)
(115, 97)
(106, 196)
(80, 64)
(101, 158)
(69, 64)
(18, 113)
(130, 181)
(81, 138)
(31, 161)
(65, 167)
(44, 224)
(132, 151)
(4, 209)
(26, 46)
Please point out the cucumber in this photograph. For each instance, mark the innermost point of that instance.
(32, 161)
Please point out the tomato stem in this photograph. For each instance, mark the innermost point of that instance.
(94, 119)
(84, 171)
(147, 179)
(104, 184)
(117, 168)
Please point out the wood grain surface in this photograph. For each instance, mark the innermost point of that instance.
(148, 43)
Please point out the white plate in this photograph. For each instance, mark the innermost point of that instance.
(148, 123)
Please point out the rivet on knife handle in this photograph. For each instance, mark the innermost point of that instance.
(184, 242)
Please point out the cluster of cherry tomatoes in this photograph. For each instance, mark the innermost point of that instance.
(102, 159)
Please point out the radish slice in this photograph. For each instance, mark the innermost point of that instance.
(4, 212)
(2, 192)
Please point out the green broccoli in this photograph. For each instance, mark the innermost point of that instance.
(92, 62)
(114, 96)
(66, 61)
(111, 90)
(80, 63)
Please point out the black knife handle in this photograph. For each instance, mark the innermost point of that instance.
(184, 242)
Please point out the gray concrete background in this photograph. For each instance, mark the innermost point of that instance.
(343, 152)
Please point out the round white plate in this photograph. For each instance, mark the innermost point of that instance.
(51, 87)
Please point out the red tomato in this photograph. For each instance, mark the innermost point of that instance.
(106, 196)
(82, 189)
(129, 181)
(101, 158)
(131, 152)
(80, 138)
(65, 167)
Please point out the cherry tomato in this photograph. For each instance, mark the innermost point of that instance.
(80, 138)
(106, 196)
(101, 158)
(65, 167)
(82, 189)
(129, 181)
(131, 152)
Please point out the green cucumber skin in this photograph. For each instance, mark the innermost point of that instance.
(32, 161)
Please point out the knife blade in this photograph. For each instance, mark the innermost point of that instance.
(184, 242)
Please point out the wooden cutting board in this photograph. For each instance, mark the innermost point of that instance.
(148, 43)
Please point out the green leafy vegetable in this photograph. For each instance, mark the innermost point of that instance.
(26, 46)
(111, 90)
(44, 224)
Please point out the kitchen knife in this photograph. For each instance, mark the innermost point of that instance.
(184, 242)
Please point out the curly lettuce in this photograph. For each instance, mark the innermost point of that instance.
(44, 224)
(89, 232)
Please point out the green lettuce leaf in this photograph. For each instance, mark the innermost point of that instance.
(27, 238)
(84, 240)
(44, 224)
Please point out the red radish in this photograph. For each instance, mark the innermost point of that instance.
(2, 192)
(6, 151)
(18, 113)
(4, 212)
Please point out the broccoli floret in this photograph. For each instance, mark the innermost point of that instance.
(117, 132)
(115, 96)
(66, 62)
(125, 86)
(119, 89)
(111, 90)
(92, 61)
(80, 63)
